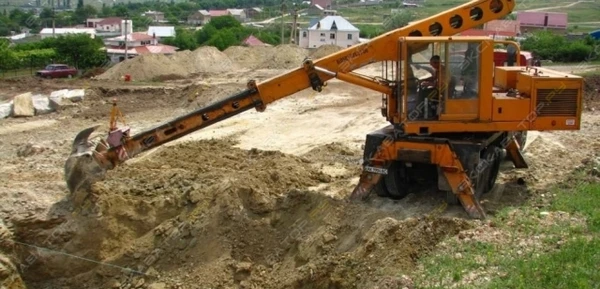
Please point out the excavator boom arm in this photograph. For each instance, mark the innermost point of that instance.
(312, 74)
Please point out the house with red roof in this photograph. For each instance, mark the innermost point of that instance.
(253, 41)
(496, 29)
(508, 26)
(539, 20)
(326, 4)
(110, 24)
(494, 34)
(138, 43)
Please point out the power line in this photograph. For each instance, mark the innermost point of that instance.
(81, 258)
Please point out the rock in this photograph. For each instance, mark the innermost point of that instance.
(152, 272)
(65, 97)
(23, 105)
(242, 271)
(328, 237)
(113, 283)
(194, 196)
(58, 93)
(157, 286)
(6, 109)
(139, 282)
(75, 95)
(42, 104)
(29, 150)
(243, 267)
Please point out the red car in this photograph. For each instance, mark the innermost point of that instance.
(57, 71)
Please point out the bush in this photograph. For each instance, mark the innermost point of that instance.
(548, 45)
(36, 57)
(370, 31)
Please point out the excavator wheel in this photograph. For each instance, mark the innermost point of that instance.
(489, 175)
(394, 184)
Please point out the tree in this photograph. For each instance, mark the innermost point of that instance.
(83, 13)
(184, 40)
(79, 4)
(79, 49)
(106, 11)
(223, 39)
(223, 22)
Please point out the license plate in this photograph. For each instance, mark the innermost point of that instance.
(376, 170)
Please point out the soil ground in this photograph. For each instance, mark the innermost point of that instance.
(256, 201)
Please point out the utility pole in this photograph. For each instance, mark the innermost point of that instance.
(53, 22)
(126, 32)
(282, 13)
(294, 24)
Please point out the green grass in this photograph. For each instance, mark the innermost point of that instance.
(552, 244)
(589, 73)
(582, 12)
(573, 266)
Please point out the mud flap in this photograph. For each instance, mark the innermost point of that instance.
(462, 187)
(514, 152)
(365, 186)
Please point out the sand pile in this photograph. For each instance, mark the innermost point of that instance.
(181, 64)
(144, 67)
(285, 56)
(324, 51)
(249, 57)
(209, 59)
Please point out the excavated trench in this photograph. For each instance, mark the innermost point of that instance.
(205, 213)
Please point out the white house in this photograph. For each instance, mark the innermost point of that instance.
(112, 24)
(239, 14)
(47, 32)
(161, 31)
(330, 30)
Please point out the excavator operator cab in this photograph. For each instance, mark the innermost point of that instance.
(451, 75)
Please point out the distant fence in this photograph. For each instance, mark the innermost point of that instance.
(16, 66)
(21, 72)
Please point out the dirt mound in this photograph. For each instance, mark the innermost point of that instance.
(9, 272)
(209, 59)
(179, 65)
(204, 94)
(207, 213)
(249, 57)
(324, 50)
(286, 56)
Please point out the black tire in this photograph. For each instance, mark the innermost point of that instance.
(451, 198)
(486, 180)
(394, 184)
(380, 188)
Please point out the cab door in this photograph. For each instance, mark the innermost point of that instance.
(459, 93)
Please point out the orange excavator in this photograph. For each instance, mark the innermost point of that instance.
(451, 130)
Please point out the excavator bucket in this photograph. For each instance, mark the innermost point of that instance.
(83, 166)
